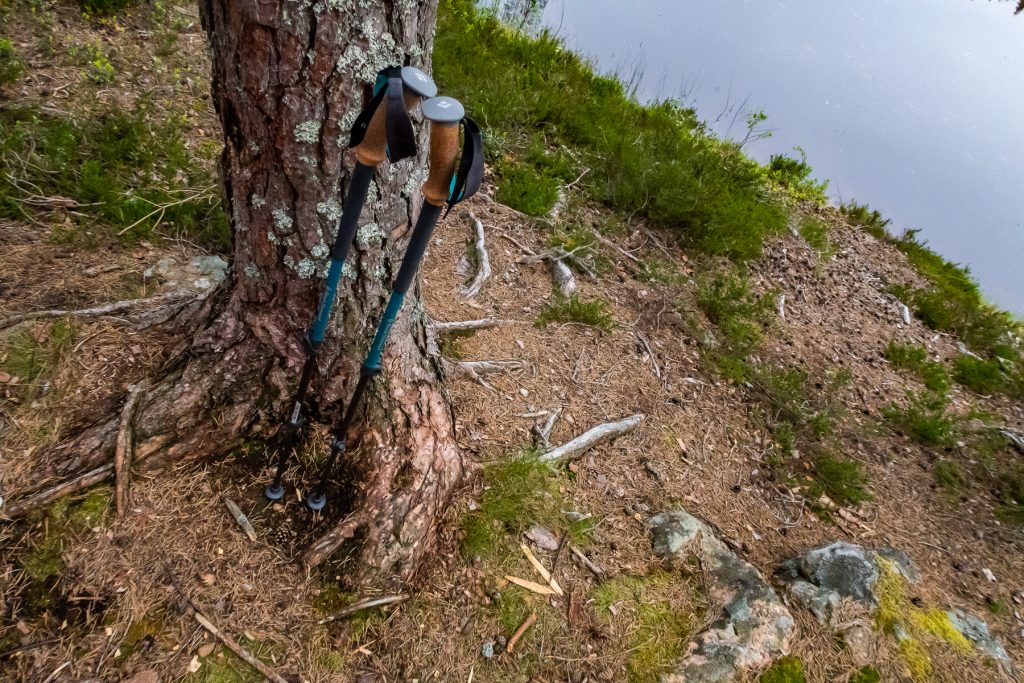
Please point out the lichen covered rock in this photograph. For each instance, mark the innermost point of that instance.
(754, 627)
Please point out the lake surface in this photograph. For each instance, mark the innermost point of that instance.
(915, 107)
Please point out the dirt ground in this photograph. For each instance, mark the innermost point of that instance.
(112, 611)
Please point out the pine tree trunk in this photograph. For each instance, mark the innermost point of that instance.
(288, 79)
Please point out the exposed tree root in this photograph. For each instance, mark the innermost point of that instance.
(563, 277)
(476, 370)
(22, 507)
(125, 449)
(469, 325)
(168, 304)
(592, 437)
(483, 272)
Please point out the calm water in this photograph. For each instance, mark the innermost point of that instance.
(913, 106)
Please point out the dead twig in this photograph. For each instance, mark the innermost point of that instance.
(650, 352)
(608, 243)
(586, 562)
(543, 432)
(470, 325)
(541, 569)
(520, 631)
(241, 519)
(99, 311)
(34, 502)
(125, 448)
(365, 603)
(593, 437)
(483, 271)
(228, 641)
(477, 369)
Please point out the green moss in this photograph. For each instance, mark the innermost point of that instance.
(91, 511)
(518, 492)
(795, 176)
(658, 630)
(785, 670)
(593, 313)
(33, 361)
(866, 674)
(331, 598)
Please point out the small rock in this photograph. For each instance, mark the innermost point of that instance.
(976, 631)
(542, 537)
(205, 650)
(144, 676)
(500, 642)
(487, 649)
(988, 574)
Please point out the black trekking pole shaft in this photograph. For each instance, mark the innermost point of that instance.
(444, 140)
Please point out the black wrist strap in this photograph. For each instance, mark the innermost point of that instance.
(470, 174)
(401, 138)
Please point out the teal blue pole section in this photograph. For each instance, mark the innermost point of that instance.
(383, 330)
(323, 316)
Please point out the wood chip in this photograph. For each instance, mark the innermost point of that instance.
(530, 585)
(541, 569)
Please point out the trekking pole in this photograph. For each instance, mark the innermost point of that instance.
(379, 133)
(443, 186)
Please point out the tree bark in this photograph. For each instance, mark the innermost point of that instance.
(288, 79)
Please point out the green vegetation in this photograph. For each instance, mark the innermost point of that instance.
(224, 666)
(32, 354)
(924, 419)
(579, 245)
(532, 93)
(866, 674)
(659, 271)
(103, 8)
(949, 476)
(915, 358)
(739, 316)
(815, 233)
(128, 175)
(843, 480)
(518, 492)
(869, 220)
(657, 629)
(980, 375)
(593, 313)
(795, 176)
(42, 562)
(1010, 490)
(785, 670)
(10, 66)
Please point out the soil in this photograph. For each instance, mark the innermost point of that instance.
(701, 447)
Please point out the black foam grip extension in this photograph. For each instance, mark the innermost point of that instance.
(358, 187)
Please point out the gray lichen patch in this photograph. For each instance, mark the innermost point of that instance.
(251, 270)
(369, 235)
(282, 220)
(306, 268)
(348, 270)
(256, 201)
(320, 252)
(330, 209)
(307, 131)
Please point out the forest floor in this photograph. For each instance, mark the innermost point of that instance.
(87, 596)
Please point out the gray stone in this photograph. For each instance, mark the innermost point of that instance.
(754, 627)
(487, 649)
(821, 578)
(976, 631)
(860, 642)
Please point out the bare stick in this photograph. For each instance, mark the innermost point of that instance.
(98, 311)
(780, 306)
(240, 517)
(477, 369)
(470, 325)
(543, 432)
(541, 569)
(483, 271)
(650, 352)
(230, 642)
(585, 561)
(365, 603)
(608, 243)
(520, 631)
(125, 448)
(23, 507)
(592, 437)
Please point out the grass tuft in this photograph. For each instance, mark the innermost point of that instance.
(815, 233)
(984, 376)
(593, 313)
(915, 358)
(925, 419)
(844, 480)
(11, 67)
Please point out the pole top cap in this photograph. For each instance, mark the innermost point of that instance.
(419, 82)
(443, 109)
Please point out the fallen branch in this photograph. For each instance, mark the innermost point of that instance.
(545, 574)
(469, 325)
(543, 432)
(241, 519)
(608, 243)
(125, 448)
(650, 352)
(593, 437)
(228, 641)
(483, 271)
(780, 306)
(520, 631)
(99, 311)
(23, 507)
(365, 603)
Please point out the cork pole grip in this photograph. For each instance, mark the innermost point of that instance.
(374, 147)
(444, 147)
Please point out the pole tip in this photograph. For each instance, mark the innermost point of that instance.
(274, 491)
(316, 501)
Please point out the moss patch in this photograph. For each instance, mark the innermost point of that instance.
(785, 670)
